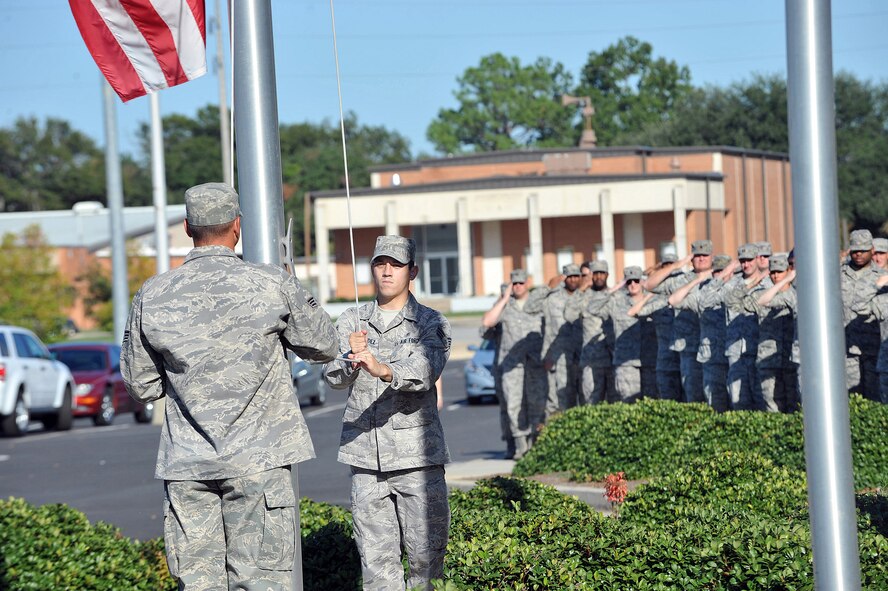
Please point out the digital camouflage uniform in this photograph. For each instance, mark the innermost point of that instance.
(522, 374)
(634, 341)
(596, 359)
(741, 347)
(862, 337)
(685, 339)
(393, 440)
(706, 301)
(668, 361)
(494, 334)
(210, 336)
(561, 346)
(778, 373)
(878, 307)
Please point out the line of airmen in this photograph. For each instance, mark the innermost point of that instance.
(723, 332)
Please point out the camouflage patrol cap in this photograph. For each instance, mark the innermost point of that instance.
(598, 266)
(719, 262)
(399, 248)
(669, 257)
(746, 252)
(570, 270)
(764, 248)
(211, 204)
(632, 273)
(701, 247)
(778, 262)
(861, 240)
(880, 244)
(518, 276)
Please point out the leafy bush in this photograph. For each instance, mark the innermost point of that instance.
(329, 556)
(55, 547)
(656, 437)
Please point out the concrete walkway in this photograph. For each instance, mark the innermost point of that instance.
(464, 475)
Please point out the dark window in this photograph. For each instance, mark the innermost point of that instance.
(83, 360)
(4, 348)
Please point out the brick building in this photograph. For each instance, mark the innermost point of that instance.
(477, 217)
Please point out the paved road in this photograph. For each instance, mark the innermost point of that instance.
(108, 472)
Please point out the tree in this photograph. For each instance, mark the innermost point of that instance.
(33, 294)
(97, 299)
(48, 166)
(504, 105)
(630, 89)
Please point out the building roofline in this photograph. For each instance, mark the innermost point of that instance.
(534, 155)
(501, 182)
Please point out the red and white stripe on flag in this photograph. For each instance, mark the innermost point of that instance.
(143, 46)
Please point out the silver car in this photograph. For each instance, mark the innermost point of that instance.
(308, 381)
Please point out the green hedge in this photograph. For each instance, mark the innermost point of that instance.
(657, 437)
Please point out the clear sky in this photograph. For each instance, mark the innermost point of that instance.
(400, 58)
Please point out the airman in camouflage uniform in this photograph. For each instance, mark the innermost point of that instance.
(561, 343)
(774, 361)
(741, 332)
(880, 253)
(520, 313)
(668, 361)
(878, 306)
(391, 433)
(704, 295)
(862, 339)
(210, 336)
(634, 337)
(596, 360)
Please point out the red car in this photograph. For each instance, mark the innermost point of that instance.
(100, 392)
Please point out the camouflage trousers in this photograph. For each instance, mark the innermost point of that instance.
(632, 383)
(715, 385)
(883, 387)
(524, 392)
(691, 377)
(234, 533)
(406, 508)
(563, 387)
(598, 385)
(861, 376)
(744, 387)
(669, 385)
(780, 391)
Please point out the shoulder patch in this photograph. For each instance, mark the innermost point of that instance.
(442, 334)
(312, 302)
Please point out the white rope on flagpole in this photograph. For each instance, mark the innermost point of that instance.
(351, 235)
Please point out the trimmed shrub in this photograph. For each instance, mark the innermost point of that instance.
(330, 558)
(656, 437)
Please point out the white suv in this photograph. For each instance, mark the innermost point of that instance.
(32, 384)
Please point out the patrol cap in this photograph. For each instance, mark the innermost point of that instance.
(861, 240)
(598, 266)
(764, 248)
(701, 247)
(211, 204)
(633, 272)
(399, 248)
(719, 262)
(518, 276)
(668, 257)
(880, 244)
(570, 270)
(746, 252)
(778, 262)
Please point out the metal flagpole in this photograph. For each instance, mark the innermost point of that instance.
(225, 132)
(259, 153)
(812, 147)
(114, 189)
(158, 182)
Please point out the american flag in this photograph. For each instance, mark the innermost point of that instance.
(143, 46)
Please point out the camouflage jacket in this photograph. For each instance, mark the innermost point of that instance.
(562, 337)
(686, 328)
(861, 329)
(635, 342)
(521, 326)
(211, 337)
(777, 331)
(706, 300)
(741, 333)
(597, 329)
(395, 425)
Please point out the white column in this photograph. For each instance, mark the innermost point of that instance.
(608, 243)
(391, 218)
(492, 251)
(680, 215)
(464, 247)
(633, 240)
(322, 241)
(535, 231)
